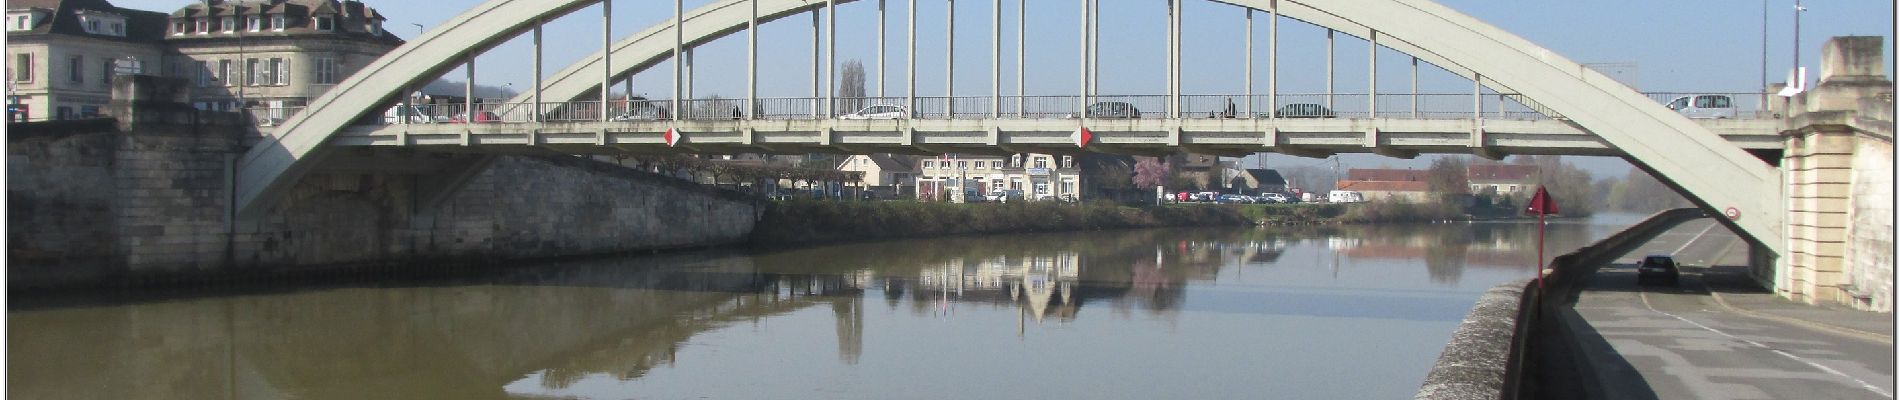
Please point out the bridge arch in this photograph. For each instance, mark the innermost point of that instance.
(1712, 172)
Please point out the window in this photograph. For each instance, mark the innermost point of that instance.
(1712, 102)
(375, 28)
(280, 71)
(1042, 162)
(19, 22)
(277, 22)
(78, 67)
(324, 23)
(118, 28)
(930, 164)
(963, 165)
(253, 24)
(92, 25)
(1068, 161)
(229, 24)
(224, 72)
(179, 27)
(1679, 103)
(105, 73)
(996, 164)
(22, 67)
(250, 72)
(205, 74)
(204, 26)
(982, 165)
(328, 71)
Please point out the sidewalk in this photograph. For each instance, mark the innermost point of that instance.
(1732, 288)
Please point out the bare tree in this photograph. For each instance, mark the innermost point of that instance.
(850, 87)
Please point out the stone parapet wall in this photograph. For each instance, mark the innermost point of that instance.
(103, 207)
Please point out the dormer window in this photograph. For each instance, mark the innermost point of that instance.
(24, 20)
(98, 23)
(277, 23)
(180, 27)
(254, 23)
(203, 25)
(375, 28)
(325, 23)
(228, 24)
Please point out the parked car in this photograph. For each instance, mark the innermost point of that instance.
(1233, 199)
(1112, 109)
(1006, 195)
(642, 113)
(484, 117)
(415, 114)
(1345, 196)
(1305, 110)
(1657, 268)
(1706, 106)
(971, 196)
(883, 111)
(1276, 198)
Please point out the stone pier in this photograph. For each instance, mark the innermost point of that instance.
(1838, 169)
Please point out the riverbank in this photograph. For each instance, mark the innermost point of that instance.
(801, 222)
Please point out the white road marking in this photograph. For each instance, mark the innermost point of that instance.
(1698, 236)
(1823, 368)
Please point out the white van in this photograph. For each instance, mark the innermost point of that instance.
(1345, 196)
(1705, 106)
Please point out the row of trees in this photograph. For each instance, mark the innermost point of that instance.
(717, 172)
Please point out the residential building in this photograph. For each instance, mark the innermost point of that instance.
(62, 54)
(1256, 180)
(1202, 170)
(1387, 183)
(1505, 179)
(885, 175)
(1409, 191)
(271, 54)
(1039, 176)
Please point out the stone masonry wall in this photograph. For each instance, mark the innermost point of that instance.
(102, 207)
(1870, 280)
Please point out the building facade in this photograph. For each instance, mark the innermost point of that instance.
(62, 55)
(886, 175)
(1504, 179)
(272, 55)
(1038, 176)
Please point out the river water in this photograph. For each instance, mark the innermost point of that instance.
(1357, 312)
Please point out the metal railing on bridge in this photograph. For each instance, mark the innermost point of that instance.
(1507, 106)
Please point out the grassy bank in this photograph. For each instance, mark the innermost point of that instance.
(809, 222)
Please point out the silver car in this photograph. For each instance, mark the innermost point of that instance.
(883, 111)
(1704, 106)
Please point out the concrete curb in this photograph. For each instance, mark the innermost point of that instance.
(1829, 328)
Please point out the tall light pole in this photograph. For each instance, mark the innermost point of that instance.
(1763, 107)
(1797, 45)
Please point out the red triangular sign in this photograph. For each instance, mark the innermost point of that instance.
(1541, 203)
(672, 137)
(1082, 137)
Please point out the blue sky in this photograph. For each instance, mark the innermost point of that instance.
(1676, 45)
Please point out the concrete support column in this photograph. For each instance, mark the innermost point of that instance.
(1273, 59)
(1247, 109)
(1022, 12)
(1329, 68)
(1838, 160)
(1372, 68)
(996, 58)
(831, 58)
(1414, 87)
(752, 62)
(880, 48)
(1082, 93)
(1174, 59)
(607, 59)
(950, 59)
(535, 114)
(468, 91)
(816, 96)
(910, 75)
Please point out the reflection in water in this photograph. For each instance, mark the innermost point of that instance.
(680, 324)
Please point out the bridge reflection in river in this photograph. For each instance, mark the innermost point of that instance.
(1216, 312)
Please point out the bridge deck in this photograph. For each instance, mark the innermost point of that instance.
(1318, 137)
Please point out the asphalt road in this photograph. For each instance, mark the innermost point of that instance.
(1652, 342)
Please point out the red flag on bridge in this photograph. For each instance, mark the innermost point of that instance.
(1541, 203)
